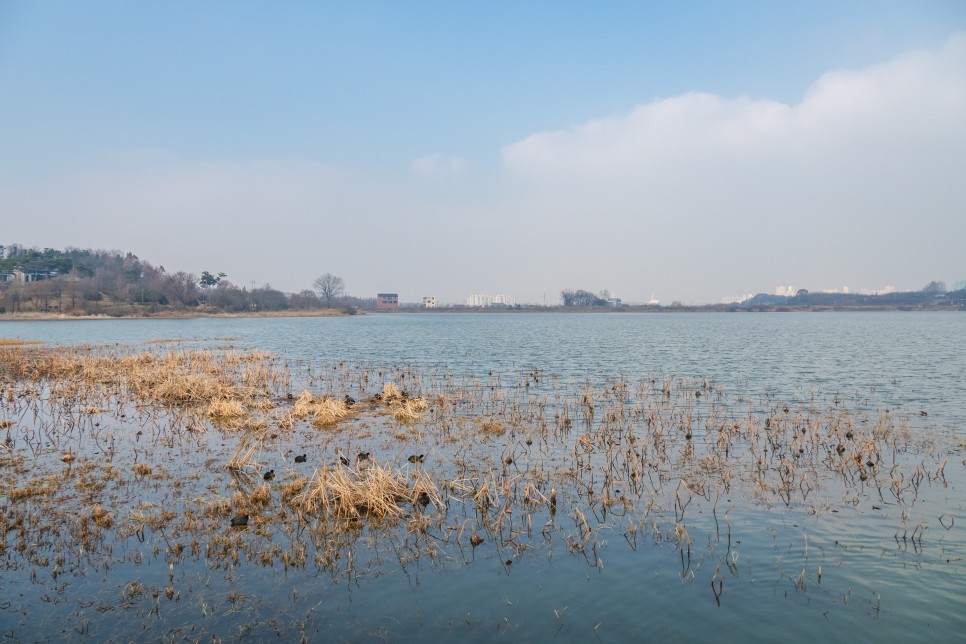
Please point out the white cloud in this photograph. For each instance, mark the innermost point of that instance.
(918, 97)
(852, 183)
(436, 164)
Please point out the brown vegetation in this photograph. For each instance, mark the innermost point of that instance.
(518, 463)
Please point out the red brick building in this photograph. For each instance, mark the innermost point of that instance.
(385, 301)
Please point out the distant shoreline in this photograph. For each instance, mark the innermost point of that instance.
(673, 309)
(185, 315)
(171, 315)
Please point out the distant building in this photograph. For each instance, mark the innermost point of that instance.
(478, 300)
(386, 301)
(489, 300)
(429, 301)
(21, 277)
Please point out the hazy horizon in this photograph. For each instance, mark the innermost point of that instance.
(688, 152)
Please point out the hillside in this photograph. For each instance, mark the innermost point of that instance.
(116, 283)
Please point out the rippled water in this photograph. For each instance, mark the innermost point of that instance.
(873, 586)
(912, 360)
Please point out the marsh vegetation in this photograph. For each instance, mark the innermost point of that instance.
(164, 491)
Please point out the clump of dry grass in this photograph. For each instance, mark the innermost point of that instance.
(376, 491)
(390, 393)
(292, 489)
(261, 497)
(400, 406)
(408, 411)
(102, 517)
(325, 411)
(227, 412)
(493, 427)
(142, 471)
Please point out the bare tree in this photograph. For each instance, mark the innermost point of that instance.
(329, 287)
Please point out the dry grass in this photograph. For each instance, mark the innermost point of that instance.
(292, 489)
(408, 411)
(226, 386)
(261, 497)
(34, 487)
(508, 457)
(390, 393)
(102, 517)
(142, 471)
(324, 411)
(244, 454)
(493, 427)
(403, 408)
(376, 491)
(227, 412)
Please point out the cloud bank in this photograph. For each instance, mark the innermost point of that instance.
(849, 185)
(690, 197)
(914, 102)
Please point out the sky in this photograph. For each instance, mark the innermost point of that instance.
(685, 151)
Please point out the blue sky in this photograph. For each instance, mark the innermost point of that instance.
(455, 148)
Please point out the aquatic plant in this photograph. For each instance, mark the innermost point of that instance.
(166, 447)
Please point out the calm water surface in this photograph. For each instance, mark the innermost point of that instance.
(874, 587)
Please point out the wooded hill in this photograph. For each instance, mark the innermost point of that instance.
(99, 282)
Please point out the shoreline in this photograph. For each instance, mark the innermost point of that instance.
(172, 315)
(185, 315)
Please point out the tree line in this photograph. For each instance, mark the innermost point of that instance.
(582, 298)
(92, 282)
(932, 294)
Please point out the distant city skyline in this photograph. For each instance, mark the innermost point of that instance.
(689, 152)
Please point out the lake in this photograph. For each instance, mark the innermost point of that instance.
(735, 476)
